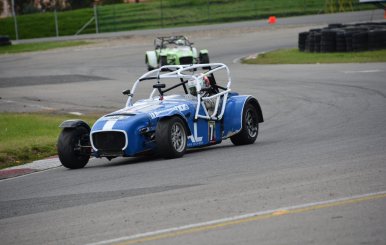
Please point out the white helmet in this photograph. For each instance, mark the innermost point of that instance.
(180, 42)
(197, 83)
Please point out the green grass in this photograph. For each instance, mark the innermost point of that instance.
(28, 137)
(30, 47)
(147, 15)
(43, 24)
(294, 56)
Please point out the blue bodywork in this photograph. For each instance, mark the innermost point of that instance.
(138, 122)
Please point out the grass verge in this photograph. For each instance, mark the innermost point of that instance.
(294, 56)
(166, 13)
(31, 47)
(25, 137)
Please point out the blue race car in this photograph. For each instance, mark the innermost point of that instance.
(200, 112)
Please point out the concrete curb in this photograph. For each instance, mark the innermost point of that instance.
(29, 168)
(251, 56)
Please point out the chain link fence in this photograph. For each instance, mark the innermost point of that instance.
(159, 14)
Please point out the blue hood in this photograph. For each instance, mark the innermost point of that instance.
(144, 111)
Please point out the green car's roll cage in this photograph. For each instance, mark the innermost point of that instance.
(174, 50)
(164, 42)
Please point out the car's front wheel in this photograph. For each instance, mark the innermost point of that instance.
(250, 127)
(163, 60)
(73, 149)
(170, 137)
(150, 68)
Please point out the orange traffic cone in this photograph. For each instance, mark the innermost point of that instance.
(272, 20)
(384, 15)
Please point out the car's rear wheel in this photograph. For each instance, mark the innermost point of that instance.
(250, 127)
(73, 149)
(204, 58)
(170, 137)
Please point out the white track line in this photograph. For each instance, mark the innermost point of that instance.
(283, 210)
(364, 71)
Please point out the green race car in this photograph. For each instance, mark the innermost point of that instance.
(174, 50)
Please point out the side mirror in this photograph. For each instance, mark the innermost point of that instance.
(159, 85)
(127, 92)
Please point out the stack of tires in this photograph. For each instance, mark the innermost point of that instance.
(360, 41)
(302, 40)
(349, 37)
(328, 41)
(4, 41)
(340, 41)
(317, 41)
(344, 38)
(310, 42)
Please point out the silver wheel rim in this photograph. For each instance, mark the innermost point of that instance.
(178, 137)
(251, 124)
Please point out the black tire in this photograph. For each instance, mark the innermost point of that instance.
(149, 68)
(302, 40)
(317, 43)
(204, 58)
(335, 25)
(68, 141)
(163, 60)
(170, 137)
(374, 40)
(250, 127)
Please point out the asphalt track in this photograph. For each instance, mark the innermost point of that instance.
(316, 175)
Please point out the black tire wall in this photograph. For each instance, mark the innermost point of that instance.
(344, 38)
